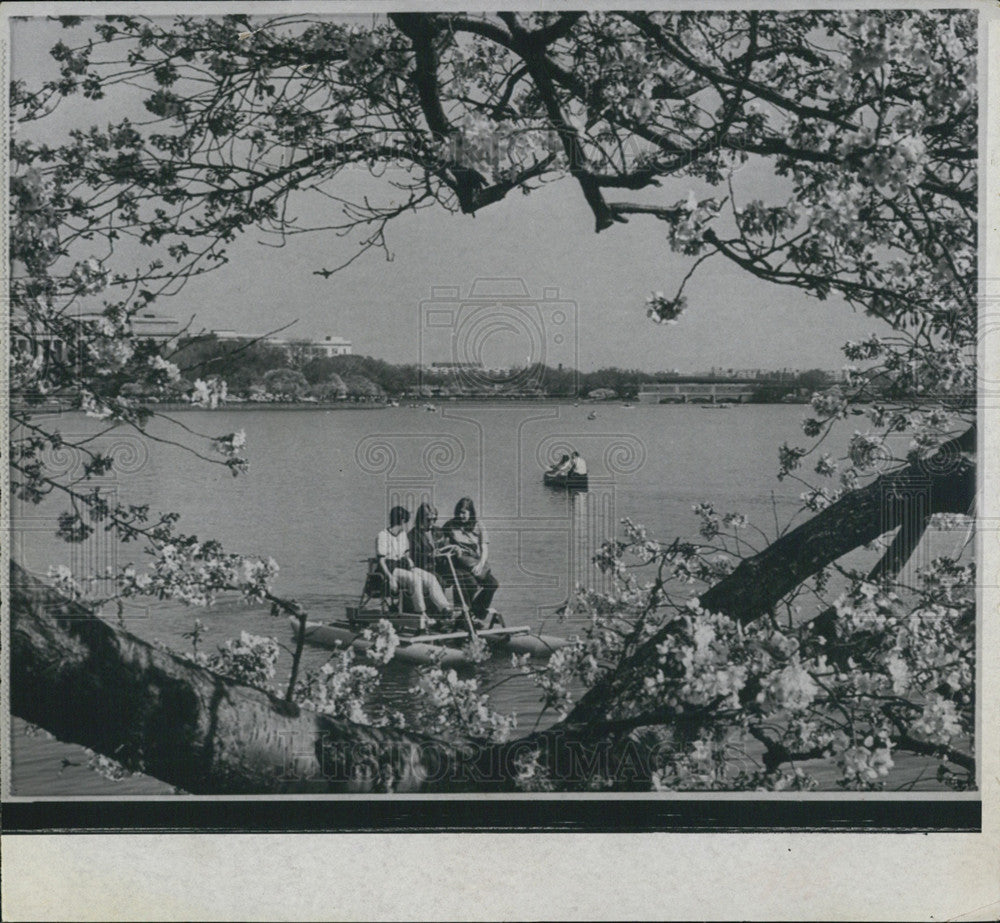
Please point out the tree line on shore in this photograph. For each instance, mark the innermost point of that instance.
(259, 370)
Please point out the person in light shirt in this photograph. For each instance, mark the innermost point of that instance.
(392, 547)
(577, 465)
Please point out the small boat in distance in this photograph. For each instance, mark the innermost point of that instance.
(592, 415)
(566, 481)
(430, 408)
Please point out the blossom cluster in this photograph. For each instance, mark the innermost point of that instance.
(250, 659)
(196, 572)
(663, 310)
(447, 703)
(341, 688)
(893, 670)
(499, 149)
(700, 662)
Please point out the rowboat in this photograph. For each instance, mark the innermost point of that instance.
(565, 481)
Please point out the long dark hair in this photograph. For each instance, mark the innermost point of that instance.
(466, 504)
(425, 516)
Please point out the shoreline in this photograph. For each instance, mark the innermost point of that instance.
(56, 407)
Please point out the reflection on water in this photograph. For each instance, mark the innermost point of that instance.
(592, 522)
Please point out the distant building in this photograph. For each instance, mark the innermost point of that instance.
(326, 348)
(145, 325)
(466, 368)
(337, 346)
(149, 325)
(748, 374)
(453, 368)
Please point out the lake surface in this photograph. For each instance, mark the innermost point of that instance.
(321, 482)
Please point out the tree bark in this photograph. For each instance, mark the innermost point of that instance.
(944, 483)
(91, 683)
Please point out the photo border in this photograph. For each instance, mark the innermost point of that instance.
(959, 812)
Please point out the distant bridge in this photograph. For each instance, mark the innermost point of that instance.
(690, 392)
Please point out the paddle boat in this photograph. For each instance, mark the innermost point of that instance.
(443, 640)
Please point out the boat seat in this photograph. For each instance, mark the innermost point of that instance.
(377, 588)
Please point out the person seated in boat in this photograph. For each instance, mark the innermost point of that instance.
(427, 544)
(577, 466)
(560, 467)
(392, 547)
(470, 543)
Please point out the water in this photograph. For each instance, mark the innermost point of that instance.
(320, 484)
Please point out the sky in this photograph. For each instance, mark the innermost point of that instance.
(545, 242)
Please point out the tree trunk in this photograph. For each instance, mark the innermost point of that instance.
(91, 683)
(944, 483)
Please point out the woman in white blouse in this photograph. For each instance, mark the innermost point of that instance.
(392, 546)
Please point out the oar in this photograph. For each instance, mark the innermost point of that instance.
(461, 598)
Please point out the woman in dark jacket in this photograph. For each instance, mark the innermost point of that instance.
(465, 533)
(426, 540)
